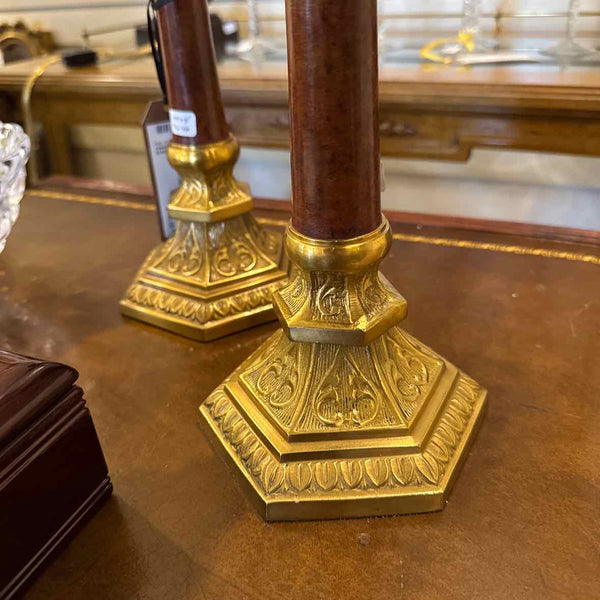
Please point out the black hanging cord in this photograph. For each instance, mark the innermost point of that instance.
(152, 7)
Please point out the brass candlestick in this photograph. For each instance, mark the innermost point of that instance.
(342, 413)
(218, 272)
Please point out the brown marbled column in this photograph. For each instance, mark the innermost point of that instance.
(190, 68)
(332, 64)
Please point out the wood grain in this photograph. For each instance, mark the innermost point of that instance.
(52, 471)
(332, 58)
(439, 113)
(139, 193)
(179, 528)
(190, 68)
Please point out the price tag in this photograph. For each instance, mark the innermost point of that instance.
(183, 122)
(157, 132)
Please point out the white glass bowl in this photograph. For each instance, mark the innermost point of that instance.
(14, 152)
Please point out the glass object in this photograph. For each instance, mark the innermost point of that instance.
(471, 17)
(471, 27)
(568, 47)
(14, 152)
(391, 42)
(468, 41)
(255, 46)
(381, 30)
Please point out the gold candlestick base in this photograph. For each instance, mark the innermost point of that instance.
(343, 413)
(217, 274)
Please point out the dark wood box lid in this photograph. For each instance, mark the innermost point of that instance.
(28, 387)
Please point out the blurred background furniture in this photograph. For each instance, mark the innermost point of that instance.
(494, 141)
(18, 42)
(437, 113)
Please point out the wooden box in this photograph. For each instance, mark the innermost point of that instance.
(52, 471)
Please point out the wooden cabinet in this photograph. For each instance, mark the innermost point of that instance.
(438, 113)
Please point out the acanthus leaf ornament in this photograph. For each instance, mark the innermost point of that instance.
(326, 475)
(403, 469)
(428, 468)
(272, 477)
(377, 471)
(351, 473)
(299, 476)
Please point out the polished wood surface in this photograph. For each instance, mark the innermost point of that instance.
(53, 477)
(190, 68)
(426, 111)
(28, 387)
(550, 232)
(332, 58)
(519, 314)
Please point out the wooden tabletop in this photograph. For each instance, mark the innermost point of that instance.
(521, 315)
(532, 84)
(426, 110)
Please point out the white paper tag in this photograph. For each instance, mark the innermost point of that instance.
(166, 179)
(183, 122)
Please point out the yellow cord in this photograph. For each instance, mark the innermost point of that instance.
(26, 110)
(28, 90)
(429, 52)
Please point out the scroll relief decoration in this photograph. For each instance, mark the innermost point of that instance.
(268, 241)
(234, 258)
(375, 292)
(205, 254)
(183, 254)
(273, 375)
(210, 252)
(203, 191)
(314, 478)
(337, 297)
(410, 369)
(345, 398)
(330, 297)
(349, 387)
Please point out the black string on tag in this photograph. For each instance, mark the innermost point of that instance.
(152, 7)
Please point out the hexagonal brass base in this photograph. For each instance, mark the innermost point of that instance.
(318, 430)
(218, 273)
(202, 332)
(337, 294)
(210, 279)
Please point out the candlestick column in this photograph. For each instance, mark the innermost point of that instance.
(192, 81)
(334, 116)
(218, 272)
(341, 413)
